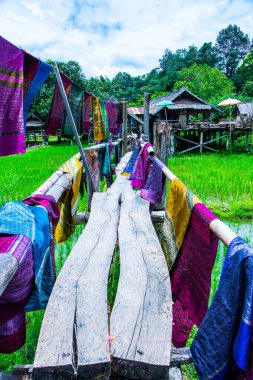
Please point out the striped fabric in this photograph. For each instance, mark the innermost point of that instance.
(154, 186)
(178, 212)
(127, 172)
(17, 293)
(12, 137)
(75, 98)
(69, 201)
(191, 274)
(222, 347)
(42, 72)
(57, 107)
(141, 168)
(104, 118)
(87, 111)
(98, 122)
(112, 114)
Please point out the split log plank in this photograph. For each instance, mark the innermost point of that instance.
(74, 331)
(141, 319)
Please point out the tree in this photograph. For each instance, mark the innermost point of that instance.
(231, 46)
(207, 55)
(205, 81)
(244, 72)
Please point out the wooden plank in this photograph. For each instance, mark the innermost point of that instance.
(74, 331)
(8, 267)
(141, 319)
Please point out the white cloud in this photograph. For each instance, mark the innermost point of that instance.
(107, 36)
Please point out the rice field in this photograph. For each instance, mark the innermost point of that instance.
(223, 182)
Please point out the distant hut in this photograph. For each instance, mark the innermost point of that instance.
(186, 104)
(34, 123)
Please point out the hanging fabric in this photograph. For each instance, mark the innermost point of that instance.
(177, 215)
(100, 122)
(127, 172)
(141, 168)
(222, 347)
(69, 201)
(34, 84)
(75, 99)
(57, 107)
(87, 111)
(12, 136)
(191, 274)
(112, 111)
(154, 186)
(30, 67)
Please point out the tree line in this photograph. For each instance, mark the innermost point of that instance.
(213, 72)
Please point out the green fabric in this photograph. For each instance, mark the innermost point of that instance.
(105, 118)
(75, 99)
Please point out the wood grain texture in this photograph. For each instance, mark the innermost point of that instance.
(8, 267)
(141, 319)
(75, 326)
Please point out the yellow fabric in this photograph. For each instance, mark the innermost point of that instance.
(178, 212)
(69, 200)
(98, 124)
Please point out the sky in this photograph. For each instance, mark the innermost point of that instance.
(108, 36)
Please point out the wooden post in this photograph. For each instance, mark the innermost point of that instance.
(172, 144)
(201, 141)
(73, 125)
(227, 142)
(124, 128)
(147, 97)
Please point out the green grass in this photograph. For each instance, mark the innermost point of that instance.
(223, 182)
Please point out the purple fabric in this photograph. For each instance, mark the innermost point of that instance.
(110, 145)
(17, 293)
(140, 171)
(87, 111)
(111, 110)
(191, 274)
(57, 107)
(12, 137)
(154, 186)
(52, 208)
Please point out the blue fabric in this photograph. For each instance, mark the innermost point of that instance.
(41, 75)
(130, 165)
(222, 343)
(104, 162)
(33, 222)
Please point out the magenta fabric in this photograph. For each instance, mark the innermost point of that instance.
(17, 293)
(154, 186)
(87, 111)
(112, 111)
(52, 208)
(12, 135)
(30, 67)
(191, 274)
(140, 171)
(57, 107)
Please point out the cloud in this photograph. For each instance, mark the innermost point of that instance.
(107, 36)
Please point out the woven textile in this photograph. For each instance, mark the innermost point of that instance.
(41, 74)
(178, 212)
(154, 186)
(127, 172)
(17, 293)
(69, 201)
(12, 137)
(98, 122)
(221, 348)
(87, 111)
(75, 98)
(141, 168)
(191, 274)
(30, 67)
(57, 107)
(93, 163)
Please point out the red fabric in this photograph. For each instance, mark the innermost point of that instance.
(30, 67)
(87, 111)
(57, 107)
(191, 274)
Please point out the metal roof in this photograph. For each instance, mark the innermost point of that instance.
(246, 108)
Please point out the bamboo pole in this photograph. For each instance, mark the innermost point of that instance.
(220, 229)
(124, 128)
(147, 97)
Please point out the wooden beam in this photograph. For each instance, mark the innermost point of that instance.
(124, 128)
(74, 333)
(147, 97)
(141, 319)
(98, 147)
(135, 117)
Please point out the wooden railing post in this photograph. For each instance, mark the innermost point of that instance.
(124, 128)
(147, 97)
